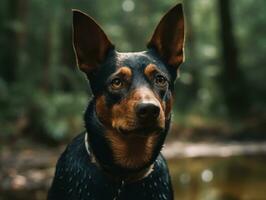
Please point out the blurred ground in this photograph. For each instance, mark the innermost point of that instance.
(208, 170)
(26, 170)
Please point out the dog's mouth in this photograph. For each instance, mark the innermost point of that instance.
(140, 131)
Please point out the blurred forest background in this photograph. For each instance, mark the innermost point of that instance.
(220, 95)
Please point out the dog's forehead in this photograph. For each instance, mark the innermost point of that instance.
(137, 60)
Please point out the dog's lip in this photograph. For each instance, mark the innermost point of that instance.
(140, 131)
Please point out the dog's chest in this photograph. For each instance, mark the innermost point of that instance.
(78, 178)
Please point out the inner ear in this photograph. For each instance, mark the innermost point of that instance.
(168, 37)
(90, 43)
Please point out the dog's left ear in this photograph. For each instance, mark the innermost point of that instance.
(168, 37)
(91, 44)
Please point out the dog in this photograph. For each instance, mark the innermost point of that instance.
(118, 156)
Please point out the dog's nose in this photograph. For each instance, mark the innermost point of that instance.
(147, 111)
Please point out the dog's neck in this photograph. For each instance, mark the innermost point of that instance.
(102, 151)
(131, 177)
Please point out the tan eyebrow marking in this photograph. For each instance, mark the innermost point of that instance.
(125, 72)
(150, 70)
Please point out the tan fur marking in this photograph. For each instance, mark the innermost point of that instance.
(168, 107)
(125, 72)
(123, 115)
(131, 151)
(150, 70)
(102, 111)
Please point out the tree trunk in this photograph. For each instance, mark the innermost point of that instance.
(232, 80)
(15, 36)
(191, 42)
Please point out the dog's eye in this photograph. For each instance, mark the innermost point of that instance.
(160, 81)
(116, 83)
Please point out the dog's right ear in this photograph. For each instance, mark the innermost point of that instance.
(90, 43)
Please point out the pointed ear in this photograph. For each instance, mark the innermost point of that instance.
(168, 37)
(90, 43)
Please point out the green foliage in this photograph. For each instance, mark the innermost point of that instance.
(40, 114)
(41, 89)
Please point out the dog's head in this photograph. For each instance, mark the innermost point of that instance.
(133, 91)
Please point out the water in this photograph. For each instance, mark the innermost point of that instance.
(240, 177)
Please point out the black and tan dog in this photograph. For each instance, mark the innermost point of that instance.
(118, 157)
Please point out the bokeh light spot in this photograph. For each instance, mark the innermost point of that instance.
(128, 5)
(207, 175)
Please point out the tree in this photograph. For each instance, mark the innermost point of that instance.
(15, 37)
(232, 79)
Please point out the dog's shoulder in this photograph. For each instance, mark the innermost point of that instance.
(74, 150)
(73, 168)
